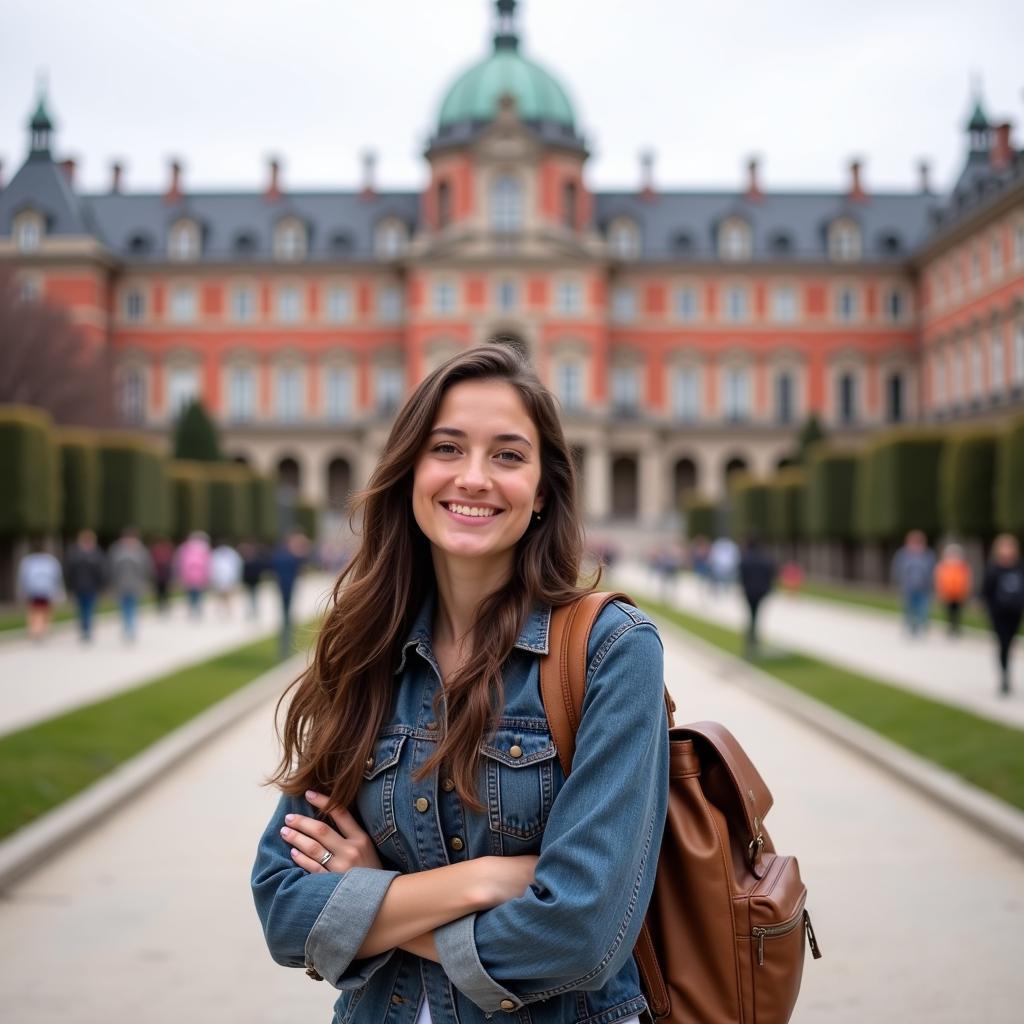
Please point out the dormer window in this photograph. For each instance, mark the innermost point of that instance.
(624, 239)
(781, 244)
(183, 241)
(844, 240)
(507, 204)
(140, 244)
(391, 239)
(244, 243)
(290, 240)
(734, 240)
(28, 231)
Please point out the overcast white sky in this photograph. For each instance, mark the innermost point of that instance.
(225, 83)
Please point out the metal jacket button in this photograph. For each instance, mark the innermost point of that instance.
(448, 785)
(422, 804)
(369, 762)
(507, 1004)
(457, 843)
(515, 751)
(397, 999)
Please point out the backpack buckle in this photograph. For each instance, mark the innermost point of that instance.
(755, 847)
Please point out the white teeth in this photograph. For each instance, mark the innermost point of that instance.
(466, 510)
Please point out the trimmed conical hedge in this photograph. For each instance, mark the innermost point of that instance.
(750, 505)
(80, 479)
(700, 518)
(786, 505)
(967, 479)
(829, 494)
(133, 485)
(189, 497)
(1010, 479)
(30, 498)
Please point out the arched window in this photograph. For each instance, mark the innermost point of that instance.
(784, 412)
(289, 476)
(444, 204)
(569, 196)
(28, 231)
(894, 411)
(507, 204)
(847, 398)
(133, 395)
(241, 392)
(734, 240)
(736, 393)
(339, 483)
(183, 241)
(624, 239)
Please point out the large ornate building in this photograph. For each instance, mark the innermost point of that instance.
(685, 333)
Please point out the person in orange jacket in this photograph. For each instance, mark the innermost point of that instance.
(953, 584)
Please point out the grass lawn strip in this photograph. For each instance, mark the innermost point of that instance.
(47, 763)
(988, 754)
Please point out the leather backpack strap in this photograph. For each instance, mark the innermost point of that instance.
(563, 672)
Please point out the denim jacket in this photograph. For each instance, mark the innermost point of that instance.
(560, 953)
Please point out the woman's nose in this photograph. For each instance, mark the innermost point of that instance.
(473, 475)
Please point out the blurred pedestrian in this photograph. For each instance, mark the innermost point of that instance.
(757, 571)
(131, 569)
(287, 561)
(913, 571)
(668, 560)
(85, 575)
(1003, 594)
(225, 574)
(40, 585)
(193, 570)
(254, 562)
(723, 561)
(953, 584)
(700, 549)
(162, 553)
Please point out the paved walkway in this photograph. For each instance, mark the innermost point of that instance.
(38, 681)
(150, 918)
(958, 670)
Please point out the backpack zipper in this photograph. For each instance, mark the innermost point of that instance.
(761, 932)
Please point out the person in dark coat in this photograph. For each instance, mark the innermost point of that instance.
(85, 576)
(254, 562)
(162, 553)
(757, 577)
(1003, 593)
(287, 561)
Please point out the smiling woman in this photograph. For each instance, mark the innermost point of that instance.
(428, 856)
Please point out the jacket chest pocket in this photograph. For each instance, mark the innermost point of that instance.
(376, 798)
(520, 783)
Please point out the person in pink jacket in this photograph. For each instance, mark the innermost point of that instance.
(193, 570)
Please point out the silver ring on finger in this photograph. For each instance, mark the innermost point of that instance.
(325, 858)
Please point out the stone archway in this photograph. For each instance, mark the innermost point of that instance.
(289, 474)
(734, 464)
(339, 483)
(684, 481)
(625, 487)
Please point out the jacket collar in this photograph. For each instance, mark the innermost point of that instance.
(533, 637)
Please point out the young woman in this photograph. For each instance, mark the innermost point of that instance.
(428, 857)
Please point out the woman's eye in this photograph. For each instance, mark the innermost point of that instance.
(514, 457)
(446, 448)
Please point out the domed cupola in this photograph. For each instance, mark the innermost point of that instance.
(475, 98)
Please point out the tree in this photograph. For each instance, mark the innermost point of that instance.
(46, 362)
(810, 434)
(195, 435)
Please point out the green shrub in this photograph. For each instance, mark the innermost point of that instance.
(231, 501)
(189, 498)
(967, 480)
(701, 518)
(195, 435)
(263, 496)
(786, 505)
(30, 498)
(1010, 479)
(829, 493)
(80, 480)
(750, 505)
(133, 486)
(307, 519)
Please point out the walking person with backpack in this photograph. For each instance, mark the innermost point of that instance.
(1003, 593)
(85, 575)
(430, 856)
(131, 569)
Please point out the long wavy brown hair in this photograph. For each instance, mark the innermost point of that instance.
(341, 700)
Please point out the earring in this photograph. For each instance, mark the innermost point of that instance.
(536, 517)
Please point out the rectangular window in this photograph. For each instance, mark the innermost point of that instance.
(134, 305)
(243, 304)
(1018, 354)
(977, 360)
(956, 381)
(784, 304)
(183, 303)
(894, 305)
(444, 297)
(784, 397)
(242, 393)
(289, 304)
(687, 307)
(846, 305)
(133, 395)
(996, 365)
(182, 388)
(568, 298)
(339, 304)
(289, 394)
(569, 385)
(939, 378)
(28, 235)
(736, 394)
(736, 303)
(686, 393)
(847, 399)
(508, 296)
(623, 304)
(338, 393)
(995, 262)
(625, 389)
(390, 380)
(389, 303)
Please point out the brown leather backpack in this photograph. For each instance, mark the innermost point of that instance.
(723, 940)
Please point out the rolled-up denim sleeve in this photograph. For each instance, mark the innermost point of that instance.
(316, 921)
(578, 922)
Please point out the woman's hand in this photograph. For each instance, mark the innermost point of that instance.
(500, 879)
(311, 839)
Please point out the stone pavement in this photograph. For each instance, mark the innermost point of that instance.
(958, 670)
(150, 917)
(38, 681)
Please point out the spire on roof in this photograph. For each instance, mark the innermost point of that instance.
(40, 125)
(506, 37)
(978, 127)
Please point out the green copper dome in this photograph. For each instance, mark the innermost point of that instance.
(476, 94)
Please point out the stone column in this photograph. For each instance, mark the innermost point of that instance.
(597, 482)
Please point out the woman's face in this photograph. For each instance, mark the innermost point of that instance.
(477, 479)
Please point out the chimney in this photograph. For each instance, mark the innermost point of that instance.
(856, 193)
(174, 190)
(68, 167)
(116, 174)
(1001, 154)
(754, 193)
(647, 190)
(369, 189)
(273, 192)
(924, 171)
